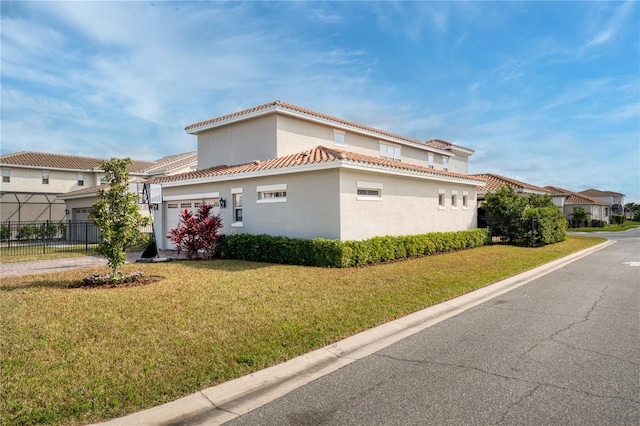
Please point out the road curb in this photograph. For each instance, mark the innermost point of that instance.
(219, 404)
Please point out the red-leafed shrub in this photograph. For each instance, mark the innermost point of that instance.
(197, 234)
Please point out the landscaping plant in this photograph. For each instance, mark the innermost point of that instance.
(116, 214)
(196, 234)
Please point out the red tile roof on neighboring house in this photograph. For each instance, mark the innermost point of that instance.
(316, 155)
(495, 182)
(435, 143)
(75, 162)
(598, 193)
(573, 197)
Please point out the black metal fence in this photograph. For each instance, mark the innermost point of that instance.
(32, 238)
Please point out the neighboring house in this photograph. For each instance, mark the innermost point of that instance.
(614, 199)
(493, 182)
(571, 201)
(284, 170)
(32, 181)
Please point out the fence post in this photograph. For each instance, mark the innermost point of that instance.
(44, 236)
(10, 234)
(86, 236)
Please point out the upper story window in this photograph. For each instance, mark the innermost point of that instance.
(338, 137)
(6, 175)
(390, 152)
(103, 179)
(445, 163)
(45, 177)
(80, 179)
(430, 159)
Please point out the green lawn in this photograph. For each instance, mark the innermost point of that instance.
(72, 356)
(609, 228)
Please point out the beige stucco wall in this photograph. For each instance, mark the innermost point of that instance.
(296, 135)
(596, 211)
(60, 181)
(311, 209)
(238, 143)
(408, 206)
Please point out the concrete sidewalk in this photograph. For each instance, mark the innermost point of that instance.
(56, 265)
(219, 404)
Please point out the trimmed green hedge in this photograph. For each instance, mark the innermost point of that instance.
(343, 254)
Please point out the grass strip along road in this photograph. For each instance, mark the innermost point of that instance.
(73, 355)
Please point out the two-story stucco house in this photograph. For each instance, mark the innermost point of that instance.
(571, 201)
(614, 199)
(280, 169)
(32, 182)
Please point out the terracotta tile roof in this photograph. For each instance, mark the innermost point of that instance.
(80, 163)
(574, 197)
(598, 193)
(495, 182)
(316, 155)
(448, 146)
(172, 162)
(294, 108)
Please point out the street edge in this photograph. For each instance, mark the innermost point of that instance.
(226, 401)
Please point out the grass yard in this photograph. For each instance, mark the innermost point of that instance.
(609, 228)
(73, 356)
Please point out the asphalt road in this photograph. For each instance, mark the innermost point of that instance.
(562, 350)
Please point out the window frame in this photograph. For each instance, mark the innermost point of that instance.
(338, 137)
(272, 193)
(80, 179)
(441, 199)
(454, 200)
(445, 163)
(236, 208)
(46, 177)
(430, 156)
(395, 155)
(375, 189)
(6, 175)
(465, 200)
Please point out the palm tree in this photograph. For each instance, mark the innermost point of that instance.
(580, 216)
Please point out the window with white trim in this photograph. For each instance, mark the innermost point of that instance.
(45, 177)
(369, 191)
(430, 159)
(445, 163)
(454, 200)
(338, 137)
(80, 179)
(272, 193)
(236, 199)
(441, 194)
(6, 175)
(465, 200)
(390, 152)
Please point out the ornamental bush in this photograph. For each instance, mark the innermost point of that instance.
(342, 254)
(196, 235)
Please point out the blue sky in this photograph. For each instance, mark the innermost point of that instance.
(545, 92)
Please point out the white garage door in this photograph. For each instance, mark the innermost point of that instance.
(174, 208)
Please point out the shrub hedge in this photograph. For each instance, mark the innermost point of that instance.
(343, 254)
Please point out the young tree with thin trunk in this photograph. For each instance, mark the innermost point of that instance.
(116, 214)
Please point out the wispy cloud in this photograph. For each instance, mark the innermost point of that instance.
(609, 27)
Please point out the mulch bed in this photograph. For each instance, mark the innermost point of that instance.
(140, 281)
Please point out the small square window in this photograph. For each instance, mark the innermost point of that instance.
(338, 137)
(45, 178)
